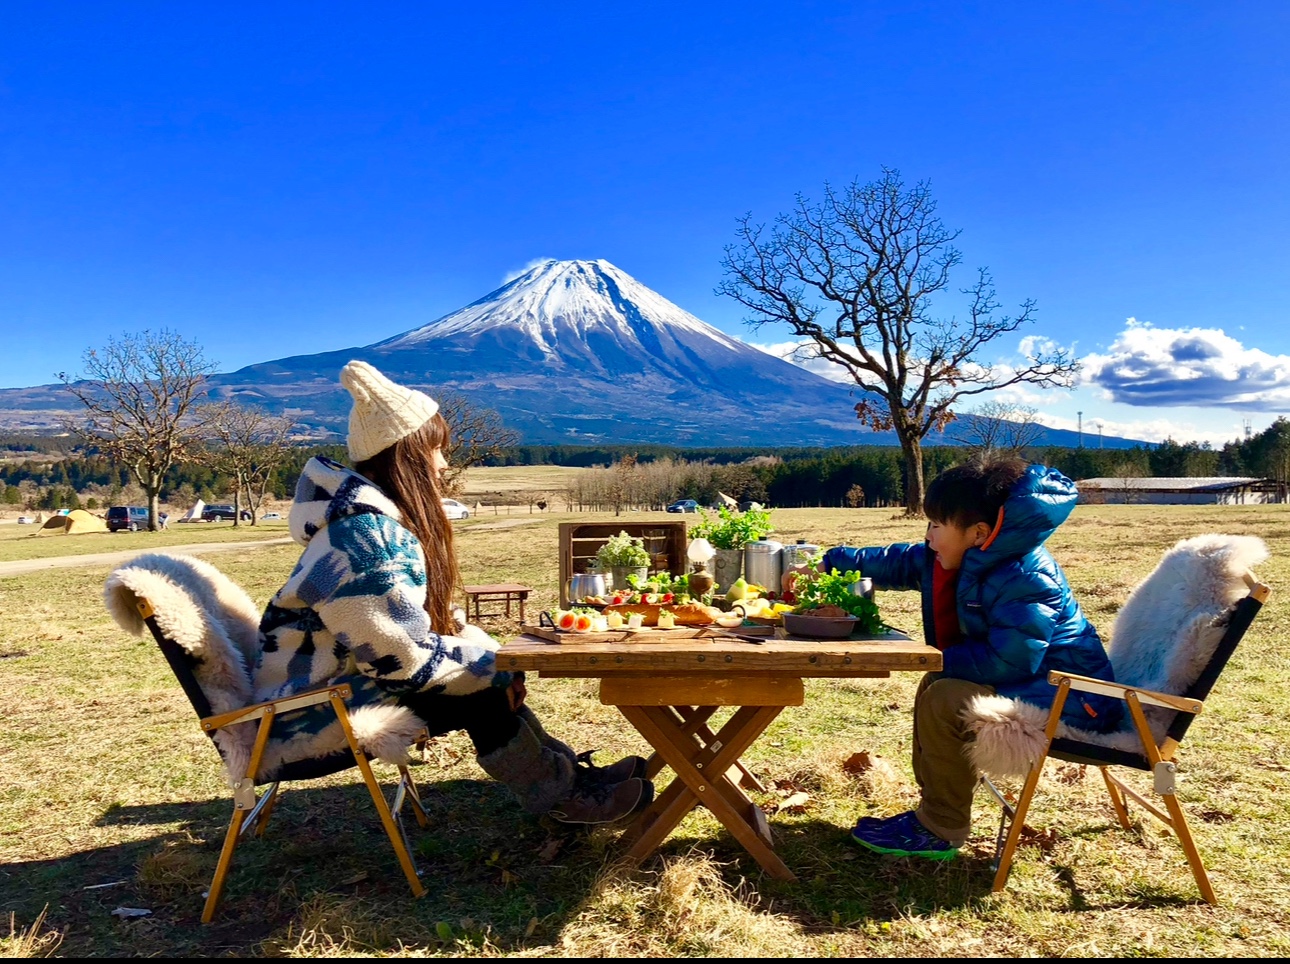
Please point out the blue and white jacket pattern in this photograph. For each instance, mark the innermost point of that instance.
(355, 603)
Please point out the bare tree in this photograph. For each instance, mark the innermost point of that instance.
(140, 394)
(999, 427)
(250, 444)
(475, 434)
(856, 274)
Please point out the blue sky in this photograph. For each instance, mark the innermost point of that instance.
(277, 179)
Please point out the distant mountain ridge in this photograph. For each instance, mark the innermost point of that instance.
(570, 352)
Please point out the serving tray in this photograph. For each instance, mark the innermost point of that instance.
(646, 634)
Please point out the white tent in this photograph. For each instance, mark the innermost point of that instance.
(195, 513)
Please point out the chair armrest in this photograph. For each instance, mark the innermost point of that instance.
(1087, 684)
(283, 705)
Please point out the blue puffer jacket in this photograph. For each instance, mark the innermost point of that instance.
(1018, 616)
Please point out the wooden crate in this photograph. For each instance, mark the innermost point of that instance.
(666, 543)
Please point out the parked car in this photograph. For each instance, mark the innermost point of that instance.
(26, 520)
(683, 505)
(132, 518)
(271, 517)
(219, 513)
(455, 510)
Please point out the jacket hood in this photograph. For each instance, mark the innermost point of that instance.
(1041, 500)
(328, 491)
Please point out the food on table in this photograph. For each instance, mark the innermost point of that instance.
(827, 612)
(635, 621)
(582, 622)
(565, 619)
(730, 620)
(831, 595)
(666, 620)
(614, 620)
(684, 614)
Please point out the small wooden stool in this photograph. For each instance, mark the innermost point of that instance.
(499, 592)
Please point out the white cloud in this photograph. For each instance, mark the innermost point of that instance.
(806, 354)
(536, 262)
(1149, 366)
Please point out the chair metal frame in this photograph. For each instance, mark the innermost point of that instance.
(1157, 759)
(251, 811)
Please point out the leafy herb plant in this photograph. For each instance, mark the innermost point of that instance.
(733, 530)
(834, 589)
(623, 550)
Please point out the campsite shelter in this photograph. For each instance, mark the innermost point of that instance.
(76, 521)
(1180, 491)
(195, 513)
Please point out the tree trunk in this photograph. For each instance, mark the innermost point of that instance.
(912, 448)
(237, 500)
(153, 490)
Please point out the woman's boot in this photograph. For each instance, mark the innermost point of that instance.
(547, 781)
(625, 769)
(538, 776)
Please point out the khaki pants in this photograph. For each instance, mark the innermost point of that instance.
(941, 766)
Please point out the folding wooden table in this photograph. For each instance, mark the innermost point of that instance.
(669, 688)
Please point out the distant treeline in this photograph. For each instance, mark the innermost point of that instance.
(865, 475)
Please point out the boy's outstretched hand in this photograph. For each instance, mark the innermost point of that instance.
(788, 581)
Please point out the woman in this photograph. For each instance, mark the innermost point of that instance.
(372, 595)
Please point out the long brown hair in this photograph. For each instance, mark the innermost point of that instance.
(405, 472)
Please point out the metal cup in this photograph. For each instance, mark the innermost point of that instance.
(862, 587)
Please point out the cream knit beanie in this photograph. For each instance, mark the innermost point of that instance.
(383, 412)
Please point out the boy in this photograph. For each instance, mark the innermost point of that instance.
(998, 606)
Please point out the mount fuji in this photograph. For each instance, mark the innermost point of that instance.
(572, 352)
(581, 352)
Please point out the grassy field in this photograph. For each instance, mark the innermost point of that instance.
(30, 542)
(507, 480)
(108, 781)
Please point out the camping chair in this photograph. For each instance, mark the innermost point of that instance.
(1177, 631)
(206, 628)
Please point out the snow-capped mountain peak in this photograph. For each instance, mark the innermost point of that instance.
(557, 300)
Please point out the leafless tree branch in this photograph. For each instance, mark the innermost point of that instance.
(140, 395)
(855, 274)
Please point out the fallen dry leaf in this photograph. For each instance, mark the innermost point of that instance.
(795, 803)
(1070, 773)
(1217, 816)
(1045, 840)
(550, 849)
(858, 763)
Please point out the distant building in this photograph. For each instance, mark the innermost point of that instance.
(1184, 491)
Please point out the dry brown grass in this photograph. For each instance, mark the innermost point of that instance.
(34, 940)
(107, 779)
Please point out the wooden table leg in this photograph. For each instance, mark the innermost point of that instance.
(746, 778)
(701, 769)
(691, 719)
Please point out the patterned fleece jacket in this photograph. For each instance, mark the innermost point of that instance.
(355, 601)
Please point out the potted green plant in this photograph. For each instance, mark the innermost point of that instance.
(622, 556)
(729, 532)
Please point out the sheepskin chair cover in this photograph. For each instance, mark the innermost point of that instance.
(216, 622)
(210, 617)
(1162, 639)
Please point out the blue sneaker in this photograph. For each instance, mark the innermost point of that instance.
(902, 836)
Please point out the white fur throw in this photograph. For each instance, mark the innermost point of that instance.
(215, 621)
(1162, 639)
